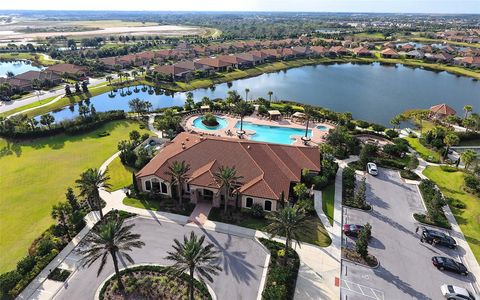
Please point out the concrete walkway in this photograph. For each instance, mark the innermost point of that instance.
(200, 213)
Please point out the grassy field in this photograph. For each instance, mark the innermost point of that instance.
(35, 175)
(451, 185)
(120, 175)
(376, 35)
(422, 150)
(328, 199)
(35, 57)
(111, 23)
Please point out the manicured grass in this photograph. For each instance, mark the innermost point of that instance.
(451, 185)
(422, 150)
(35, 175)
(120, 175)
(375, 35)
(31, 105)
(328, 199)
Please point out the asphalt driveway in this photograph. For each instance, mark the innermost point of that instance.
(242, 260)
(406, 270)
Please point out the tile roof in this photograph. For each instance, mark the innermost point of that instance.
(442, 109)
(267, 169)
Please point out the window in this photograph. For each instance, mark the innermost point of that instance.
(148, 185)
(249, 202)
(164, 187)
(268, 205)
(155, 185)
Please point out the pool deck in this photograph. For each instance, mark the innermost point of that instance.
(317, 136)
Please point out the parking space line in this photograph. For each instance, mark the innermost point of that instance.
(364, 290)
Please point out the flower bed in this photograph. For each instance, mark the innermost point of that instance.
(281, 280)
(59, 275)
(152, 282)
(370, 261)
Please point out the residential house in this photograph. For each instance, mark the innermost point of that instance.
(337, 51)
(174, 72)
(407, 47)
(215, 63)
(318, 50)
(235, 61)
(415, 54)
(68, 69)
(361, 51)
(389, 53)
(268, 171)
(251, 58)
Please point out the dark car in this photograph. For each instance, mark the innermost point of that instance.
(352, 229)
(438, 238)
(448, 264)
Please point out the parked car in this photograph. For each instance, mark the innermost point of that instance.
(448, 264)
(438, 238)
(452, 292)
(352, 229)
(372, 169)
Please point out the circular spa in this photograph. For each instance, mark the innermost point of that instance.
(222, 123)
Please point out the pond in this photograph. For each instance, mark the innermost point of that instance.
(371, 92)
(17, 67)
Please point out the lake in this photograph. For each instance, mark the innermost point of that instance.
(17, 67)
(371, 92)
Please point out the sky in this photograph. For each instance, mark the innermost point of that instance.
(392, 6)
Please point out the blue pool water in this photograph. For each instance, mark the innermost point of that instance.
(222, 123)
(322, 128)
(273, 134)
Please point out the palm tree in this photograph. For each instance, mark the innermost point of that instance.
(308, 111)
(270, 93)
(89, 183)
(193, 257)
(109, 78)
(120, 75)
(227, 179)
(61, 212)
(178, 171)
(467, 109)
(450, 140)
(110, 238)
(395, 121)
(289, 222)
(468, 157)
(243, 109)
(134, 74)
(247, 90)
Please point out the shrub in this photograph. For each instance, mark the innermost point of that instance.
(59, 275)
(257, 211)
(449, 169)
(26, 264)
(391, 163)
(391, 133)
(378, 127)
(408, 174)
(363, 124)
(8, 281)
(472, 183)
(367, 154)
(456, 203)
(319, 182)
(307, 205)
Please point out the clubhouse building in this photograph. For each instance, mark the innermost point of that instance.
(268, 171)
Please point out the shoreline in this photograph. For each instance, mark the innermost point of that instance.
(244, 74)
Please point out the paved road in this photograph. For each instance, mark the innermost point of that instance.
(406, 270)
(242, 261)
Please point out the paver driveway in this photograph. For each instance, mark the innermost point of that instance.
(406, 270)
(242, 260)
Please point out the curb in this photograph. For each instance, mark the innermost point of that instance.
(362, 265)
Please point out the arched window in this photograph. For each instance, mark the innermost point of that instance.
(164, 187)
(155, 185)
(268, 205)
(249, 202)
(148, 185)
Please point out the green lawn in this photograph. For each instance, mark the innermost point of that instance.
(451, 185)
(120, 175)
(35, 57)
(422, 150)
(328, 199)
(36, 174)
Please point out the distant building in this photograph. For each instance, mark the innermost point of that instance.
(441, 111)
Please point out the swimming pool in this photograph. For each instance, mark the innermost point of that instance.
(273, 134)
(322, 128)
(222, 123)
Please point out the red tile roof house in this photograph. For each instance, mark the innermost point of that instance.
(272, 54)
(318, 50)
(237, 62)
(389, 53)
(407, 47)
(195, 67)
(69, 69)
(261, 55)
(215, 63)
(361, 51)
(337, 50)
(175, 72)
(471, 61)
(24, 82)
(267, 170)
(441, 111)
(251, 58)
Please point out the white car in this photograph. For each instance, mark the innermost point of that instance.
(452, 292)
(372, 169)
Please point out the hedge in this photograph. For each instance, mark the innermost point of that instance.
(429, 191)
(281, 280)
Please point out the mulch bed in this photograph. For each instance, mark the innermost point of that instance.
(353, 256)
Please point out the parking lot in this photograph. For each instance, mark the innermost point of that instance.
(405, 270)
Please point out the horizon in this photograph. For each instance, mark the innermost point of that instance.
(438, 7)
